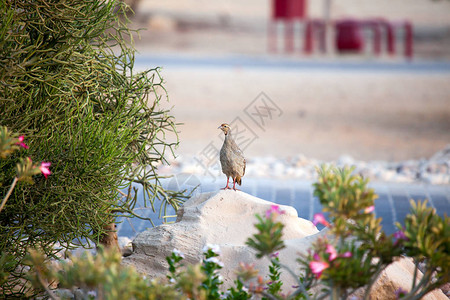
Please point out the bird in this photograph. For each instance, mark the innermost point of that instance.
(231, 158)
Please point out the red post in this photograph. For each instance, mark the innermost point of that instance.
(286, 11)
(307, 41)
(349, 36)
(408, 40)
(390, 38)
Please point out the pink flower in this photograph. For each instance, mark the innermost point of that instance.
(369, 209)
(399, 235)
(21, 143)
(274, 255)
(332, 251)
(44, 169)
(274, 210)
(317, 267)
(320, 218)
(346, 254)
(316, 256)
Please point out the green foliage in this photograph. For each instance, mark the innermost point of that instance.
(360, 250)
(428, 236)
(67, 82)
(7, 265)
(274, 286)
(345, 196)
(427, 239)
(268, 239)
(101, 276)
(238, 293)
(8, 143)
(210, 267)
(174, 264)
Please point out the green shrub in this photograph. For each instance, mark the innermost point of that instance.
(67, 82)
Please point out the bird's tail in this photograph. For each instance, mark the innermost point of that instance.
(239, 180)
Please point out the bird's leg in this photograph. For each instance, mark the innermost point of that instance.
(234, 185)
(227, 187)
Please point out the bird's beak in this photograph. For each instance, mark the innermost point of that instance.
(220, 127)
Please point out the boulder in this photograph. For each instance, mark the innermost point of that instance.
(398, 275)
(226, 218)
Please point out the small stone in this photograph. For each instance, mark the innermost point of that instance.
(345, 160)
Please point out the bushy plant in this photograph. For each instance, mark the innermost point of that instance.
(361, 247)
(68, 83)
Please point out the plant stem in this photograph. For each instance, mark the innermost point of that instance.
(327, 293)
(416, 267)
(44, 285)
(11, 188)
(417, 289)
(334, 293)
(300, 284)
(372, 281)
(269, 296)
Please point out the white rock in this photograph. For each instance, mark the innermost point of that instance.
(346, 160)
(398, 275)
(225, 218)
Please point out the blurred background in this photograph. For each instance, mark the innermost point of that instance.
(303, 80)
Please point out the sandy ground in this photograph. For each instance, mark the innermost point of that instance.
(387, 116)
(324, 114)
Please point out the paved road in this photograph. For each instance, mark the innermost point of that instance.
(392, 204)
(233, 61)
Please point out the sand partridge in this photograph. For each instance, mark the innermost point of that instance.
(231, 158)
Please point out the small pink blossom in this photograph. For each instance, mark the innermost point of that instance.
(346, 254)
(45, 168)
(274, 255)
(320, 218)
(317, 267)
(274, 210)
(316, 256)
(400, 235)
(21, 143)
(332, 251)
(369, 209)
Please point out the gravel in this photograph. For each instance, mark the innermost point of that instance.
(435, 170)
